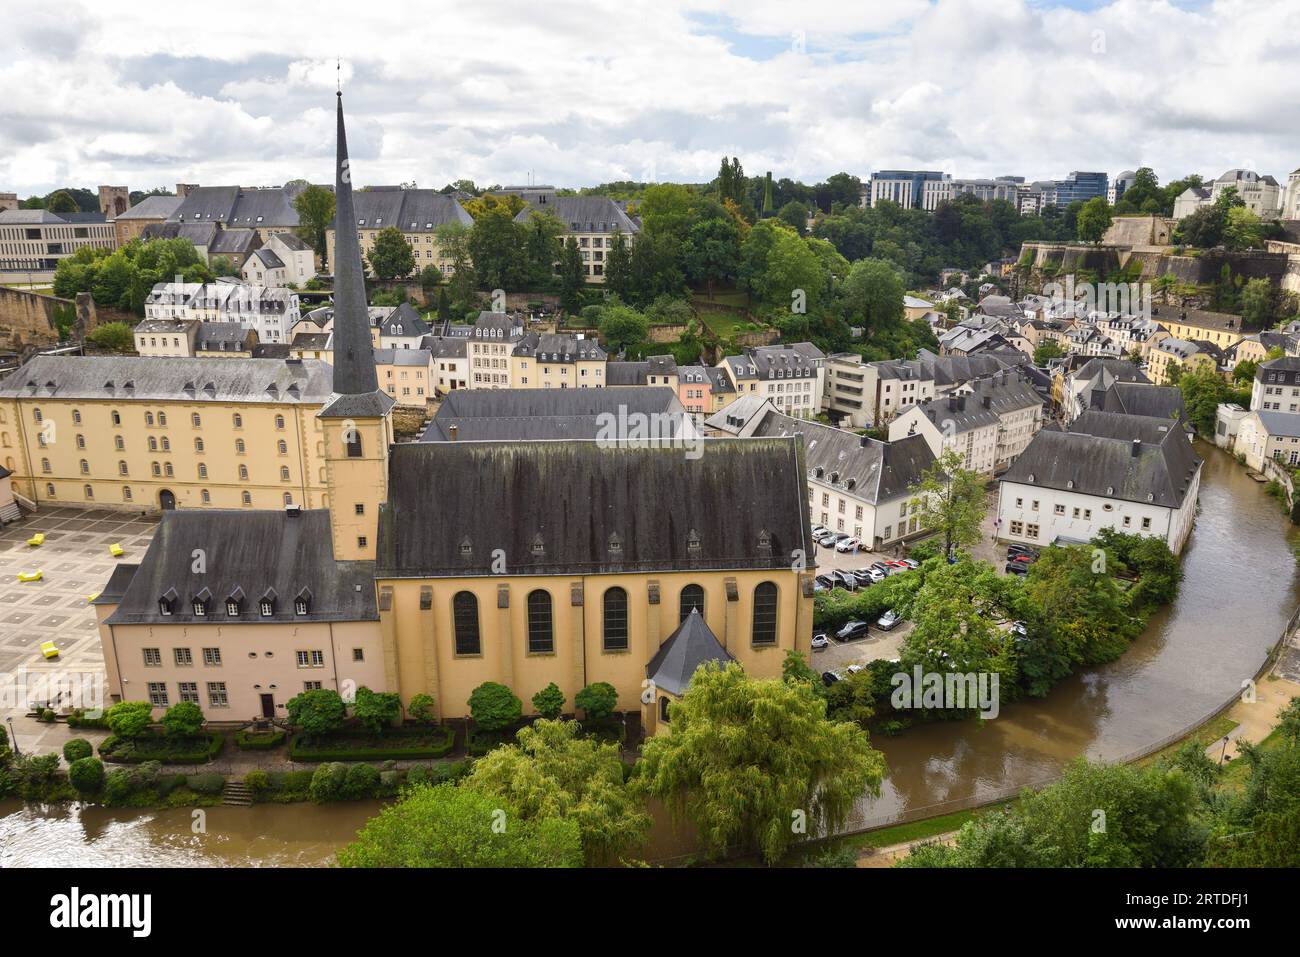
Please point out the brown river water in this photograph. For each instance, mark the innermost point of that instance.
(1240, 586)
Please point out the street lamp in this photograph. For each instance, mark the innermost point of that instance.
(13, 737)
(1224, 752)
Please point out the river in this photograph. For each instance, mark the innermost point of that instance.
(1240, 586)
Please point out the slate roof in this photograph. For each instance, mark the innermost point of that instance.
(1096, 457)
(200, 234)
(176, 380)
(685, 650)
(574, 508)
(1005, 393)
(152, 207)
(269, 259)
(735, 417)
(558, 347)
(445, 347)
(236, 206)
(401, 357)
(1284, 369)
(1279, 423)
(514, 414)
(863, 467)
(410, 210)
(222, 337)
(773, 362)
(232, 242)
(585, 214)
(252, 551)
(1137, 398)
(1111, 370)
(404, 321)
(638, 373)
(112, 592)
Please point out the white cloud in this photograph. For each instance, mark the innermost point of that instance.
(577, 93)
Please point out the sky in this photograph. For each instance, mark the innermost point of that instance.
(578, 93)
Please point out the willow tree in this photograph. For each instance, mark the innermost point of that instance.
(756, 764)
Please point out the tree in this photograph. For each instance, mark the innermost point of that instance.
(554, 772)
(317, 712)
(449, 826)
(1242, 229)
(549, 702)
(712, 251)
(1203, 390)
(1258, 300)
(618, 266)
(1083, 616)
(444, 306)
(1048, 349)
(115, 336)
(873, 293)
(952, 501)
(597, 701)
(315, 208)
(1094, 219)
(494, 707)
(430, 278)
(745, 758)
(623, 326)
(390, 254)
(795, 215)
(542, 246)
(496, 246)
(421, 708)
(61, 201)
(376, 710)
(182, 720)
(571, 276)
(130, 719)
(74, 749)
(86, 775)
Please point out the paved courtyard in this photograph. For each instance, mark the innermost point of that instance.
(76, 564)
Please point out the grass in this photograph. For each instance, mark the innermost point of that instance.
(722, 324)
(1205, 735)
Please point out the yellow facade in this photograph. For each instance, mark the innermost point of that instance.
(1160, 364)
(1216, 333)
(528, 372)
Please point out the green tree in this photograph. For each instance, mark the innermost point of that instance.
(1203, 390)
(555, 772)
(61, 201)
(1242, 229)
(549, 702)
(184, 719)
(1258, 300)
(712, 251)
(597, 701)
(622, 327)
(317, 712)
(618, 266)
(1049, 349)
(1084, 617)
(421, 708)
(74, 749)
(376, 710)
(873, 294)
(542, 246)
(496, 246)
(768, 741)
(1094, 219)
(115, 336)
(494, 707)
(951, 501)
(449, 826)
(86, 775)
(390, 255)
(315, 208)
(795, 215)
(130, 719)
(572, 279)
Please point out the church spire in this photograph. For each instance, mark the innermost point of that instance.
(354, 360)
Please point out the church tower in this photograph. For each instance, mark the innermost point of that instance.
(356, 421)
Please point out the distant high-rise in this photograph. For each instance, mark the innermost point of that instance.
(1082, 186)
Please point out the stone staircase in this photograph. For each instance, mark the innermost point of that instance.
(237, 794)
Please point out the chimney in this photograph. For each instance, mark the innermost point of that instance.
(988, 401)
(961, 403)
(952, 403)
(1137, 447)
(452, 430)
(863, 443)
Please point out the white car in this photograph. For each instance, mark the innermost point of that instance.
(854, 669)
(848, 545)
(819, 642)
(888, 620)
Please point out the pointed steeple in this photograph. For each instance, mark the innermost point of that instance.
(354, 360)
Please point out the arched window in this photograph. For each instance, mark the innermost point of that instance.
(126, 493)
(76, 417)
(85, 467)
(195, 420)
(49, 489)
(162, 418)
(157, 469)
(248, 498)
(288, 498)
(352, 438)
(238, 420)
(464, 619)
(284, 473)
(81, 441)
(239, 446)
(206, 496)
(541, 633)
(166, 444)
(153, 444)
(764, 629)
(279, 422)
(90, 492)
(148, 418)
(615, 619)
(45, 465)
(203, 470)
(198, 445)
(692, 597)
(243, 473)
(36, 414)
(283, 447)
(119, 443)
(121, 468)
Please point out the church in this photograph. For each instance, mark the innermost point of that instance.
(434, 567)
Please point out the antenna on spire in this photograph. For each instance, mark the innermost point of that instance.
(338, 74)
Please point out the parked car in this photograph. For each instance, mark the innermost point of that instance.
(829, 678)
(819, 530)
(880, 567)
(825, 581)
(1025, 560)
(910, 562)
(868, 576)
(854, 669)
(852, 629)
(828, 540)
(820, 641)
(1017, 568)
(888, 620)
(844, 580)
(847, 545)
(1015, 550)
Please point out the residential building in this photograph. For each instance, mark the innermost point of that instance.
(1277, 385)
(551, 360)
(166, 337)
(655, 370)
(1135, 474)
(1263, 435)
(224, 340)
(695, 389)
(450, 362)
(870, 394)
(401, 328)
(792, 376)
(1262, 195)
(1187, 356)
(596, 223)
(265, 211)
(1078, 382)
(488, 349)
(406, 375)
(417, 213)
(283, 260)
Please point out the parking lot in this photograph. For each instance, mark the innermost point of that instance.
(75, 563)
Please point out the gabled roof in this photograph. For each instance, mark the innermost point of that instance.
(1139, 398)
(685, 650)
(739, 504)
(1126, 457)
(152, 207)
(410, 210)
(585, 214)
(404, 321)
(252, 550)
(558, 347)
(516, 414)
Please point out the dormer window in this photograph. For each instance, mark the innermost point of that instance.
(693, 546)
(167, 603)
(466, 548)
(615, 544)
(539, 546)
(302, 604)
(267, 607)
(232, 608)
(200, 603)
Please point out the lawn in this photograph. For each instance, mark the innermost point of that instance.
(722, 324)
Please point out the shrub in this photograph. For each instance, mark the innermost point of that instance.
(206, 782)
(76, 749)
(494, 706)
(257, 781)
(421, 709)
(298, 782)
(394, 745)
(597, 700)
(376, 710)
(78, 719)
(86, 774)
(47, 715)
(148, 773)
(317, 712)
(327, 782)
(258, 741)
(182, 720)
(130, 719)
(361, 781)
(118, 786)
(170, 783)
(549, 702)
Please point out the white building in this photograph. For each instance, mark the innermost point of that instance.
(283, 260)
(793, 377)
(1135, 474)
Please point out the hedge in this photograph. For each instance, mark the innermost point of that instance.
(302, 749)
(258, 741)
(78, 719)
(165, 750)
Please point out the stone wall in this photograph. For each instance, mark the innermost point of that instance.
(27, 319)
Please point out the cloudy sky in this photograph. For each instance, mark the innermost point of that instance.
(146, 94)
